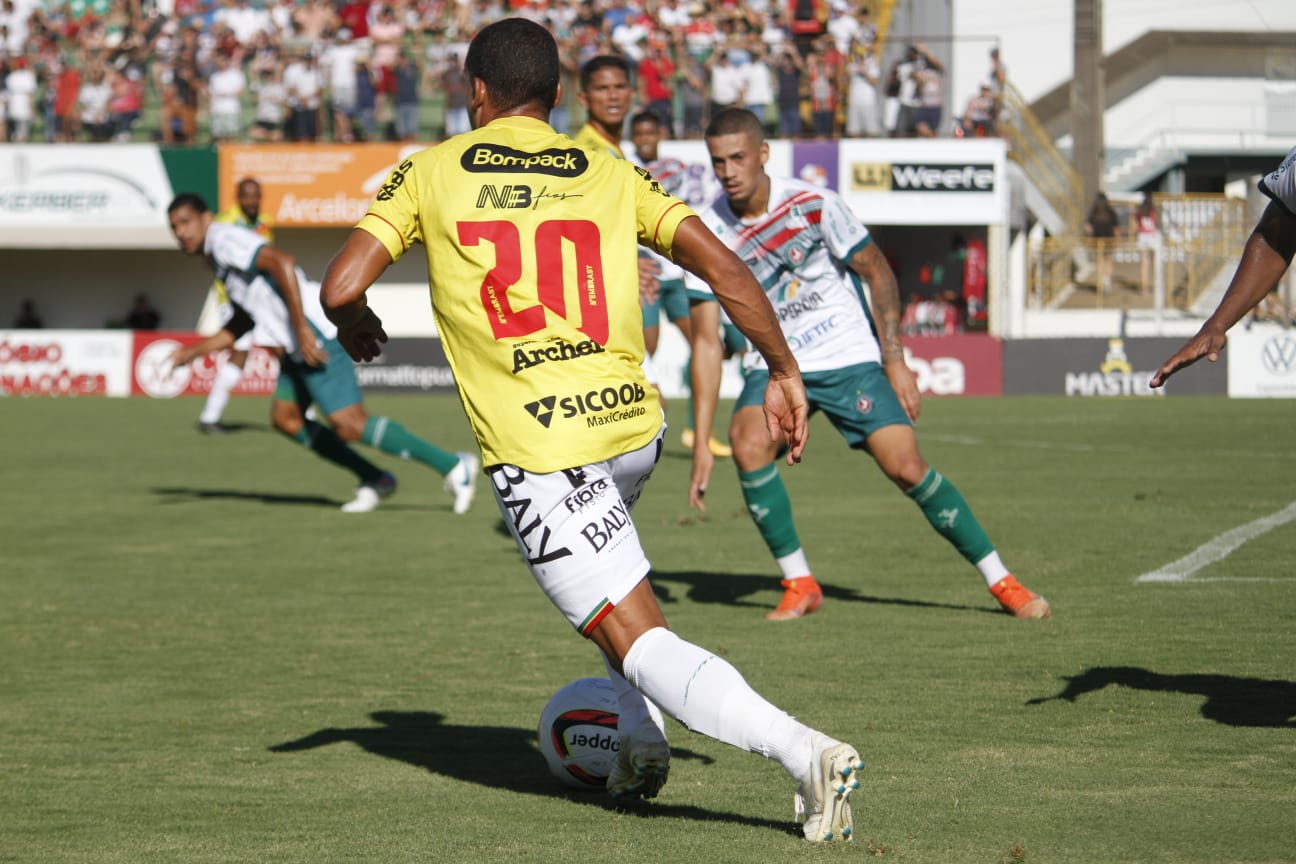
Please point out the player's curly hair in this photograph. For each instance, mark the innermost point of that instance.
(517, 60)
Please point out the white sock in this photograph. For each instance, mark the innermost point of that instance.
(794, 566)
(708, 695)
(992, 569)
(227, 378)
(634, 709)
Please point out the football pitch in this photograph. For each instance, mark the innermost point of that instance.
(202, 660)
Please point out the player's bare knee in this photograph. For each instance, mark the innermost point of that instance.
(289, 423)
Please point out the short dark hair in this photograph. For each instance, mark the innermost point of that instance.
(517, 60)
(733, 121)
(645, 117)
(187, 199)
(602, 61)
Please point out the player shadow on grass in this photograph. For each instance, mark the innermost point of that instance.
(501, 757)
(182, 494)
(732, 589)
(1230, 699)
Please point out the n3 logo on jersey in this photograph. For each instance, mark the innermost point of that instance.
(495, 159)
(516, 197)
(598, 407)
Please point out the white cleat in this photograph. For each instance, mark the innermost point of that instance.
(821, 803)
(642, 765)
(368, 496)
(461, 482)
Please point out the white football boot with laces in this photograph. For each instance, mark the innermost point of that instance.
(369, 495)
(461, 482)
(821, 803)
(642, 764)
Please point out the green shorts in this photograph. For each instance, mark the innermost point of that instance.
(331, 387)
(671, 297)
(857, 400)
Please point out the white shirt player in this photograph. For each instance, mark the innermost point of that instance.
(233, 251)
(798, 251)
(1280, 184)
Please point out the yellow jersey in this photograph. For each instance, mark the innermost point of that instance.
(531, 250)
(591, 139)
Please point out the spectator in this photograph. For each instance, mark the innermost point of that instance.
(406, 99)
(863, 72)
(246, 22)
(19, 95)
(126, 103)
(142, 315)
(305, 84)
(789, 69)
(844, 27)
(931, 100)
(823, 92)
(691, 83)
(27, 318)
(271, 106)
(313, 19)
(354, 16)
(181, 91)
(456, 97)
(339, 66)
(67, 88)
(656, 73)
(726, 81)
(1148, 240)
(758, 84)
(1103, 225)
(387, 34)
(92, 103)
(225, 89)
(978, 116)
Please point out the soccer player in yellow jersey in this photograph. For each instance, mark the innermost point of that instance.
(531, 251)
(606, 96)
(246, 213)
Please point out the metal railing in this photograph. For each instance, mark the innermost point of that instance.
(1031, 146)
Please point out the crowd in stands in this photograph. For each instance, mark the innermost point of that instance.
(194, 71)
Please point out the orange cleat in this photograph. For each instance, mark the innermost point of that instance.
(1019, 601)
(718, 449)
(803, 596)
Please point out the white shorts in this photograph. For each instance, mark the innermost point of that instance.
(244, 342)
(573, 528)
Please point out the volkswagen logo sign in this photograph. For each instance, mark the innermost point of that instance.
(1279, 355)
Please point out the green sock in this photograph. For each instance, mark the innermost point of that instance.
(391, 437)
(327, 445)
(771, 508)
(950, 515)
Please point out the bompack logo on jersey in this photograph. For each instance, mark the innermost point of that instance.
(598, 407)
(917, 177)
(527, 356)
(498, 159)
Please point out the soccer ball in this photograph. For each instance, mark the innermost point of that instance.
(578, 733)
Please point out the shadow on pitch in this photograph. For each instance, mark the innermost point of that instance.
(501, 757)
(734, 589)
(179, 494)
(1230, 700)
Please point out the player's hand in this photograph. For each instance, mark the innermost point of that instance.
(363, 338)
(310, 349)
(786, 412)
(1206, 344)
(179, 357)
(703, 462)
(905, 385)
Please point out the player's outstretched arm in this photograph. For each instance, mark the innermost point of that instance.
(871, 266)
(700, 252)
(1267, 256)
(708, 356)
(358, 265)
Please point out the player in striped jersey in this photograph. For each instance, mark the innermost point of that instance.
(814, 259)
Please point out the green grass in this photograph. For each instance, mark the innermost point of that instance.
(201, 660)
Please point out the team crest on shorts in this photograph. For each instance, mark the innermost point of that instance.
(863, 404)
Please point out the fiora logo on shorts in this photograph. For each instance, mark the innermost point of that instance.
(497, 159)
(598, 407)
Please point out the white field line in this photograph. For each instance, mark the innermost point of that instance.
(1220, 547)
